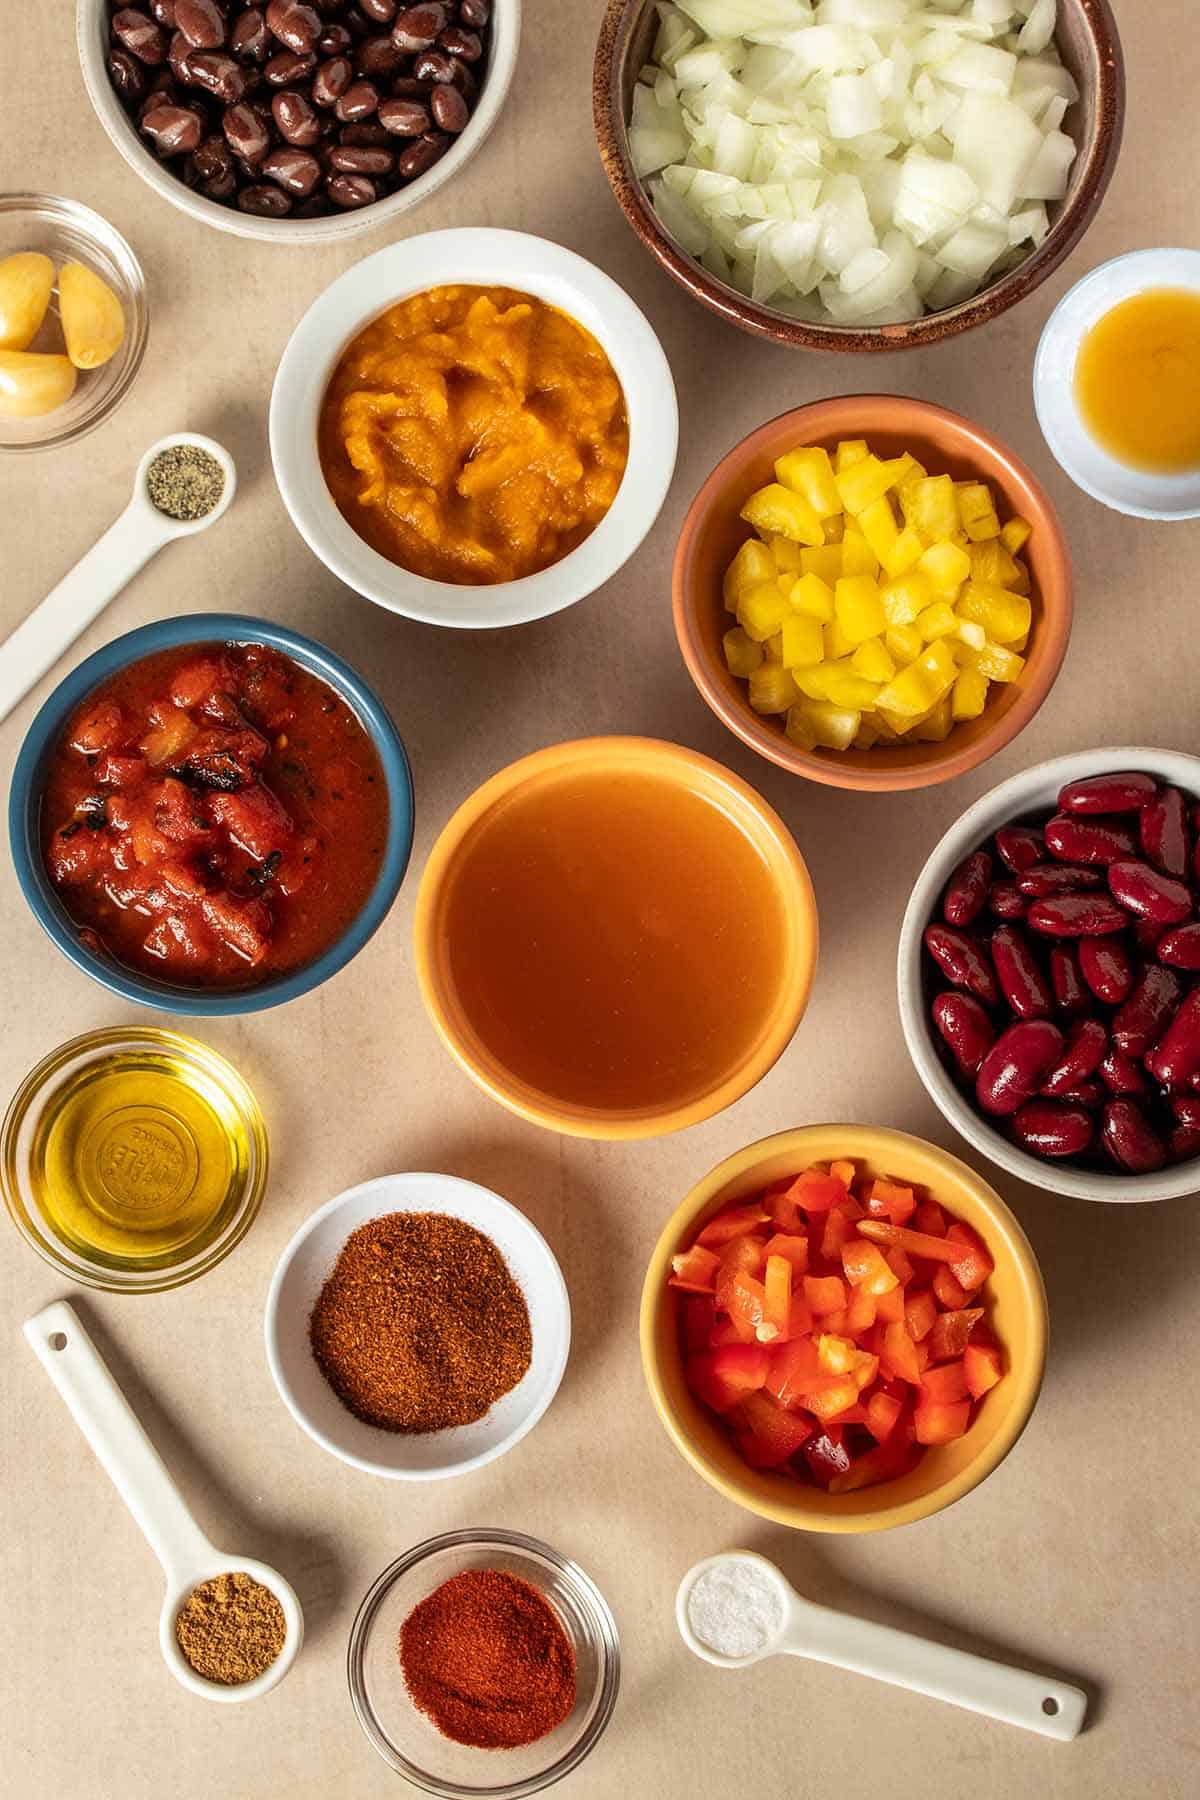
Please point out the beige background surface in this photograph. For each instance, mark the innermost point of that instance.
(1079, 1554)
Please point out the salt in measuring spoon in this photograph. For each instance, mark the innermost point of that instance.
(138, 1473)
(99, 576)
(764, 1616)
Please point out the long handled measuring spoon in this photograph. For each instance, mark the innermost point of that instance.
(138, 1473)
(99, 576)
(742, 1599)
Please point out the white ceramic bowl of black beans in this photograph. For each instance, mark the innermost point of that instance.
(1148, 1093)
(294, 122)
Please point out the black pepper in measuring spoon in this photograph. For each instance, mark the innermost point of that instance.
(185, 481)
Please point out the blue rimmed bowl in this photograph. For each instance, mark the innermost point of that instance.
(25, 796)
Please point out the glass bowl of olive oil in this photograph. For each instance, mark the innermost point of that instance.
(133, 1159)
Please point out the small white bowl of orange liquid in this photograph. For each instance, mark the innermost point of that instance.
(1116, 383)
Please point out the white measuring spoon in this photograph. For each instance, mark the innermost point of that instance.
(138, 1473)
(99, 576)
(801, 1628)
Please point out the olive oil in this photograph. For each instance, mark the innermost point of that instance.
(1137, 381)
(139, 1159)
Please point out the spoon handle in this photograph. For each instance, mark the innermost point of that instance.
(81, 595)
(1016, 1696)
(107, 1421)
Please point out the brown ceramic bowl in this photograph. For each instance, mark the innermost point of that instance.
(947, 444)
(1088, 43)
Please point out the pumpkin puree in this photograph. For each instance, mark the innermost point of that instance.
(473, 435)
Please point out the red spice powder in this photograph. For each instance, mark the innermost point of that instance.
(486, 1658)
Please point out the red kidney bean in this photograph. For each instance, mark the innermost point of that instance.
(1076, 915)
(359, 101)
(421, 154)
(464, 45)
(1019, 847)
(961, 959)
(1183, 1142)
(1052, 1128)
(137, 33)
(1130, 1139)
(350, 191)
(417, 27)
(361, 159)
(1070, 994)
(1180, 947)
(332, 79)
(1006, 900)
(1087, 840)
(295, 25)
(1088, 1093)
(201, 23)
(1083, 1053)
(1148, 1010)
(1124, 1076)
(1047, 879)
(966, 1029)
(1021, 981)
(296, 119)
(1186, 1108)
(264, 202)
(1176, 1057)
(176, 130)
(1108, 794)
(1149, 893)
(451, 112)
(404, 118)
(245, 133)
(249, 38)
(967, 889)
(296, 170)
(1163, 829)
(1016, 1065)
(1105, 965)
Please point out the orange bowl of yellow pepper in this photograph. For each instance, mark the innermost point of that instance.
(873, 592)
(937, 1332)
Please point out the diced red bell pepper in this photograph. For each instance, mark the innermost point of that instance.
(826, 1454)
(794, 1247)
(860, 1313)
(983, 1367)
(724, 1331)
(920, 1314)
(825, 1293)
(889, 1307)
(845, 1172)
(830, 1395)
(950, 1332)
(745, 1300)
(943, 1383)
(928, 1218)
(941, 1424)
(791, 1368)
(780, 1433)
(974, 1263)
(699, 1317)
(834, 1321)
(917, 1243)
(899, 1356)
(722, 1378)
(732, 1223)
(694, 1270)
(855, 1414)
(816, 1193)
(866, 1266)
(741, 1255)
(948, 1290)
(777, 1286)
(889, 1200)
(866, 1368)
(884, 1462)
(839, 1229)
(898, 1262)
(800, 1317)
(882, 1413)
(836, 1354)
(780, 1208)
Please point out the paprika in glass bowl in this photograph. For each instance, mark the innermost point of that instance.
(405, 1736)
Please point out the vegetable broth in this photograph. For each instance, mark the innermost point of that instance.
(1137, 381)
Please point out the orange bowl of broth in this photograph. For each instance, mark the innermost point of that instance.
(615, 937)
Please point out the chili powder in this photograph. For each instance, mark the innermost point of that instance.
(486, 1658)
(420, 1326)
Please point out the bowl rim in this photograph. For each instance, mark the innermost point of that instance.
(334, 227)
(63, 211)
(484, 1538)
(666, 759)
(470, 255)
(1100, 157)
(1009, 799)
(170, 633)
(559, 1300)
(847, 414)
(1026, 1380)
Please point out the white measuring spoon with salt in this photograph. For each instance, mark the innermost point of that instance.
(737, 1608)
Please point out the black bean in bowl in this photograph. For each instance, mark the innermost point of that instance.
(286, 109)
(1062, 976)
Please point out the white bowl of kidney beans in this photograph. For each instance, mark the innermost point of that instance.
(1049, 975)
(292, 121)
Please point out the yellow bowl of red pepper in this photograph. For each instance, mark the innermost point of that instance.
(940, 1466)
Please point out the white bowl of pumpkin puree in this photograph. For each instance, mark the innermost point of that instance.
(474, 428)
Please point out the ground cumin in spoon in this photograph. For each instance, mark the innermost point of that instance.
(230, 1629)
(420, 1326)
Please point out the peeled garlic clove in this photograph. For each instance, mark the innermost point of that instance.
(26, 281)
(32, 384)
(92, 318)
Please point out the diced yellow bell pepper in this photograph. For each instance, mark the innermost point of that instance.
(936, 727)
(742, 654)
(930, 507)
(825, 561)
(974, 636)
(773, 648)
(976, 510)
(904, 554)
(864, 482)
(937, 621)
(968, 696)
(808, 471)
(904, 643)
(802, 641)
(835, 727)
(762, 610)
(772, 689)
(835, 528)
(775, 508)
(798, 730)
(837, 644)
(866, 737)
(1020, 583)
(906, 598)
(753, 563)
(785, 554)
(878, 525)
(809, 594)
(996, 662)
(873, 661)
(946, 567)
(846, 688)
(1003, 615)
(1016, 534)
(895, 723)
(1018, 644)
(915, 689)
(907, 469)
(991, 562)
(849, 452)
(858, 558)
(858, 608)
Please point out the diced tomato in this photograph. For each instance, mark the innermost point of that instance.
(826, 1454)
(974, 1263)
(720, 1378)
(224, 759)
(76, 856)
(243, 926)
(98, 727)
(794, 1248)
(119, 771)
(168, 739)
(899, 1355)
(982, 1367)
(941, 1424)
(177, 814)
(920, 1312)
(780, 1433)
(180, 942)
(882, 1413)
(948, 1290)
(943, 1383)
(950, 1332)
(192, 684)
(825, 1293)
(928, 1218)
(777, 1285)
(888, 1200)
(699, 1317)
(256, 821)
(792, 1367)
(694, 1269)
(734, 1222)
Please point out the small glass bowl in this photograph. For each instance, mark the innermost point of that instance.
(407, 1740)
(226, 1094)
(65, 231)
